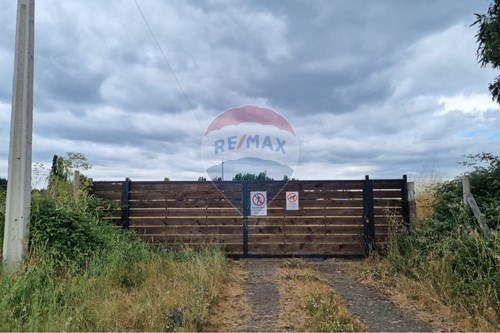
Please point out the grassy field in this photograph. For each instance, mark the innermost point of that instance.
(84, 275)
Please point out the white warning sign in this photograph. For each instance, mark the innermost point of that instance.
(258, 203)
(292, 200)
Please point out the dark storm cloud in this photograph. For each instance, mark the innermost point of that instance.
(378, 87)
(341, 49)
(317, 91)
(68, 84)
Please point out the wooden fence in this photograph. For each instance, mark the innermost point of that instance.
(335, 217)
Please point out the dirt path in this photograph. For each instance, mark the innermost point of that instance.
(263, 295)
(374, 310)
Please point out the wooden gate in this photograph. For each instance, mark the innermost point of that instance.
(334, 218)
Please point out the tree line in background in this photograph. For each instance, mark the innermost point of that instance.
(262, 176)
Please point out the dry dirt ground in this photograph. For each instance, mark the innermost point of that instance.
(372, 308)
(253, 300)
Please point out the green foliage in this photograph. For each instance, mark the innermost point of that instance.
(447, 249)
(68, 229)
(488, 38)
(485, 186)
(60, 173)
(63, 170)
(251, 176)
(78, 161)
(130, 287)
(83, 274)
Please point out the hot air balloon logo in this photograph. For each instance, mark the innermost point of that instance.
(250, 139)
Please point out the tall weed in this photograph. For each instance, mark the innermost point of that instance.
(82, 274)
(447, 251)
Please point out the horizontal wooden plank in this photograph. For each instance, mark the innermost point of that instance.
(306, 248)
(389, 219)
(282, 238)
(107, 187)
(386, 194)
(316, 220)
(387, 202)
(191, 238)
(215, 221)
(213, 203)
(194, 212)
(188, 230)
(382, 184)
(316, 212)
(306, 229)
(318, 186)
(224, 203)
(324, 203)
(109, 195)
(183, 186)
(180, 195)
(332, 195)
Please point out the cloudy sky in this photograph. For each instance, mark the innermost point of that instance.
(383, 88)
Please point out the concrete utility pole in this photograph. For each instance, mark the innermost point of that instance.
(21, 131)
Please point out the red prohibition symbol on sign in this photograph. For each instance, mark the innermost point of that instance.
(292, 197)
(258, 199)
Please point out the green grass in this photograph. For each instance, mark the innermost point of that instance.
(149, 290)
(446, 252)
(82, 274)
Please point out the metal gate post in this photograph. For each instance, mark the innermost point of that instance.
(245, 206)
(405, 203)
(369, 215)
(125, 203)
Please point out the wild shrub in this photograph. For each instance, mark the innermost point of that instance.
(448, 250)
(485, 186)
(83, 274)
(68, 229)
(131, 287)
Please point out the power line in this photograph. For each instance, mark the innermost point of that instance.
(166, 60)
